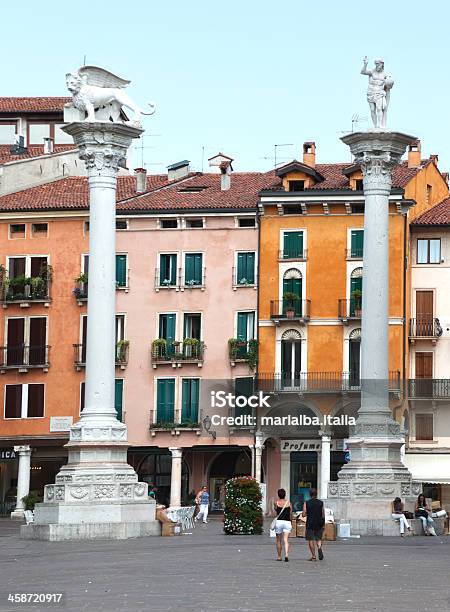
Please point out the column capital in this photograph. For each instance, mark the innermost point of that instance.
(103, 146)
(326, 436)
(177, 453)
(23, 450)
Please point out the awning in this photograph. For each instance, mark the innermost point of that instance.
(433, 468)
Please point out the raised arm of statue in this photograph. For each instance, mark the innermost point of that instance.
(364, 68)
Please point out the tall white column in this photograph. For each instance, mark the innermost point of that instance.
(175, 478)
(325, 457)
(259, 445)
(23, 479)
(285, 473)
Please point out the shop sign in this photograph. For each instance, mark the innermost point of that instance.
(60, 423)
(298, 446)
(7, 454)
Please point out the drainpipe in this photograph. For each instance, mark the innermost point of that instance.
(258, 221)
(406, 322)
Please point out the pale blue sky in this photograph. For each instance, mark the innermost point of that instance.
(240, 76)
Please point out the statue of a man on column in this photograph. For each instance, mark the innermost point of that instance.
(378, 92)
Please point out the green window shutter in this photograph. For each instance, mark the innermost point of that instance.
(193, 269)
(165, 400)
(246, 269)
(242, 325)
(167, 324)
(168, 270)
(357, 243)
(244, 387)
(293, 285)
(121, 270)
(292, 245)
(190, 400)
(355, 301)
(118, 398)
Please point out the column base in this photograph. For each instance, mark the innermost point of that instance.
(54, 532)
(17, 515)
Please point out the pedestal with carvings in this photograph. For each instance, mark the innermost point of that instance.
(375, 474)
(97, 494)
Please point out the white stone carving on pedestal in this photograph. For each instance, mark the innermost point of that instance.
(23, 479)
(375, 473)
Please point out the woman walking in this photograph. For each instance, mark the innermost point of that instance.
(423, 512)
(283, 525)
(315, 520)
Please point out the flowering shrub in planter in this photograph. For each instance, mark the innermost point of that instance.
(243, 513)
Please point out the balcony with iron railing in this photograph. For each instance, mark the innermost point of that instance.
(240, 280)
(240, 351)
(80, 291)
(290, 310)
(425, 328)
(429, 388)
(350, 309)
(176, 353)
(167, 281)
(26, 290)
(121, 357)
(293, 255)
(318, 382)
(174, 421)
(355, 253)
(24, 357)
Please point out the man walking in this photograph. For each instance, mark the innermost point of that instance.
(203, 500)
(315, 520)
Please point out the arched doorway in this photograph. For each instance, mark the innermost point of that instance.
(356, 292)
(291, 354)
(155, 468)
(226, 465)
(292, 291)
(354, 357)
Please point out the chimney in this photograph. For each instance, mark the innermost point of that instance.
(48, 146)
(309, 154)
(434, 158)
(445, 176)
(414, 155)
(222, 163)
(141, 179)
(178, 170)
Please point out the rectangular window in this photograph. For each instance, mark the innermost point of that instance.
(359, 184)
(168, 270)
(296, 185)
(39, 229)
(424, 427)
(194, 223)
(37, 132)
(190, 400)
(24, 401)
(245, 326)
(120, 327)
(356, 243)
(121, 270)
(193, 268)
(357, 208)
(246, 222)
(167, 328)
(60, 136)
(192, 325)
(118, 398)
(296, 209)
(243, 387)
(169, 223)
(7, 133)
(17, 230)
(121, 224)
(245, 268)
(165, 400)
(292, 245)
(428, 251)
(86, 227)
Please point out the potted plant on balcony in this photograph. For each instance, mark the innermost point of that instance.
(121, 351)
(17, 287)
(191, 348)
(80, 291)
(159, 348)
(355, 303)
(252, 355)
(289, 300)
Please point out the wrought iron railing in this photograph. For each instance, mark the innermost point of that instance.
(24, 356)
(188, 350)
(25, 289)
(425, 327)
(350, 309)
(170, 418)
(290, 309)
(121, 358)
(429, 388)
(317, 382)
(299, 254)
(355, 253)
(240, 280)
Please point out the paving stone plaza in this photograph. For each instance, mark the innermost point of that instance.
(208, 571)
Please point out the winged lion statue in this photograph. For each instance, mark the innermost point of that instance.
(100, 95)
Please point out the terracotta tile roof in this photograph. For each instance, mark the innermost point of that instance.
(32, 105)
(32, 151)
(438, 215)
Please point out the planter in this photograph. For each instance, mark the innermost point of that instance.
(290, 313)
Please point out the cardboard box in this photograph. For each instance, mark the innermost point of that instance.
(170, 529)
(329, 532)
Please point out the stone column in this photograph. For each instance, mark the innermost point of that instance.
(23, 479)
(325, 457)
(285, 473)
(259, 445)
(375, 470)
(97, 493)
(175, 478)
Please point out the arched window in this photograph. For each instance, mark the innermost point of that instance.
(356, 292)
(292, 292)
(354, 357)
(290, 358)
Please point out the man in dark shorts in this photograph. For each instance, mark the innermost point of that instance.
(315, 520)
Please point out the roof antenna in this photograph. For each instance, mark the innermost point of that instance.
(84, 59)
(203, 156)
